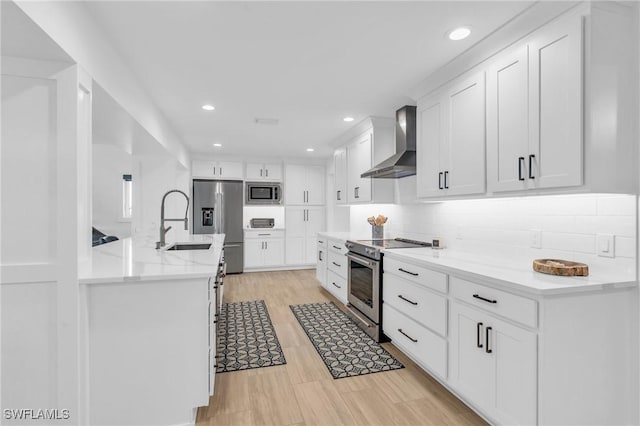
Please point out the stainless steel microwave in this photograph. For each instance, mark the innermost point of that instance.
(263, 193)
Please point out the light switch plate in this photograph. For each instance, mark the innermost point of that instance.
(536, 238)
(606, 245)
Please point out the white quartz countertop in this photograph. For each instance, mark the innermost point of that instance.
(509, 273)
(136, 259)
(344, 235)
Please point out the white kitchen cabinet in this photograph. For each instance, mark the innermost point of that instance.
(302, 225)
(263, 248)
(494, 365)
(451, 139)
(217, 169)
(534, 112)
(340, 175)
(321, 261)
(264, 171)
(304, 184)
(362, 147)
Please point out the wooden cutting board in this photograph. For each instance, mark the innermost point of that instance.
(561, 267)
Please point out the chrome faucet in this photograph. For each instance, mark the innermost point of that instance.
(163, 230)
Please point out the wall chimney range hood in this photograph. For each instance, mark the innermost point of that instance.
(403, 162)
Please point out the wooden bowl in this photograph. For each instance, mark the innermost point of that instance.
(561, 267)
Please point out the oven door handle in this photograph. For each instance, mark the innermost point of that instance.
(361, 260)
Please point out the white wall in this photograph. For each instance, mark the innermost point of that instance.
(110, 162)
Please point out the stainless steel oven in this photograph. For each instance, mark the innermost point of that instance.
(363, 275)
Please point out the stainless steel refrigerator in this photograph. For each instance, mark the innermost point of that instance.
(217, 209)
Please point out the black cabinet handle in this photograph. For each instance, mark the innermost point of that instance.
(320, 255)
(337, 248)
(415, 274)
(446, 185)
(487, 331)
(338, 195)
(479, 334)
(407, 336)
(440, 181)
(260, 172)
(531, 157)
(336, 285)
(520, 162)
(407, 300)
(336, 264)
(485, 299)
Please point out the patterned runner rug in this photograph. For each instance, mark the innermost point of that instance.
(345, 349)
(246, 338)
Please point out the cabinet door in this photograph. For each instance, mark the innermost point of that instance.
(295, 184)
(358, 162)
(273, 172)
(315, 185)
(472, 368)
(253, 255)
(465, 172)
(255, 171)
(314, 224)
(203, 168)
(430, 128)
(340, 176)
(508, 122)
(321, 264)
(230, 170)
(273, 252)
(295, 222)
(556, 105)
(295, 250)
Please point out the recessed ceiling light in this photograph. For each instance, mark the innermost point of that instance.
(309, 149)
(348, 119)
(459, 33)
(208, 107)
(217, 145)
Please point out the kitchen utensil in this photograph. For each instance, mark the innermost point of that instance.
(561, 267)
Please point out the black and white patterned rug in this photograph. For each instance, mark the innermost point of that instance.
(246, 338)
(345, 348)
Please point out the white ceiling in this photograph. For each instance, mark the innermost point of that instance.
(307, 64)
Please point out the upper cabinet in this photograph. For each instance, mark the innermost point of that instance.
(451, 140)
(365, 145)
(264, 171)
(534, 112)
(340, 175)
(217, 169)
(553, 112)
(304, 185)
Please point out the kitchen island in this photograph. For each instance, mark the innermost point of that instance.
(146, 331)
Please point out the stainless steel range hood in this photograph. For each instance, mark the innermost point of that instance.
(403, 162)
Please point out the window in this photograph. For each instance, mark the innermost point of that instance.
(127, 196)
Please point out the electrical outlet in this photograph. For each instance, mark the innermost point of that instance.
(536, 238)
(606, 245)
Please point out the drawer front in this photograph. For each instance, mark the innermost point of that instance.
(338, 263)
(422, 305)
(423, 345)
(337, 286)
(516, 308)
(322, 242)
(264, 234)
(337, 246)
(417, 274)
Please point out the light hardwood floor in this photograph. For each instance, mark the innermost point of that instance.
(302, 392)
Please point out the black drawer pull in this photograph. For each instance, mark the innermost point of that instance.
(446, 185)
(487, 331)
(336, 264)
(336, 285)
(479, 334)
(415, 274)
(407, 300)
(337, 248)
(485, 299)
(407, 336)
(440, 181)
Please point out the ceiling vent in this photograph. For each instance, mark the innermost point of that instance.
(267, 121)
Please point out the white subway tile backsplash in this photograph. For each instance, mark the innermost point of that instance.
(502, 227)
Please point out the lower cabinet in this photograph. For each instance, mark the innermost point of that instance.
(263, 248)
(321, 261)
(494, 365)
(337, 286)
(302, 225)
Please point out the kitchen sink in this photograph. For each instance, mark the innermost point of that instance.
(189, 246)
